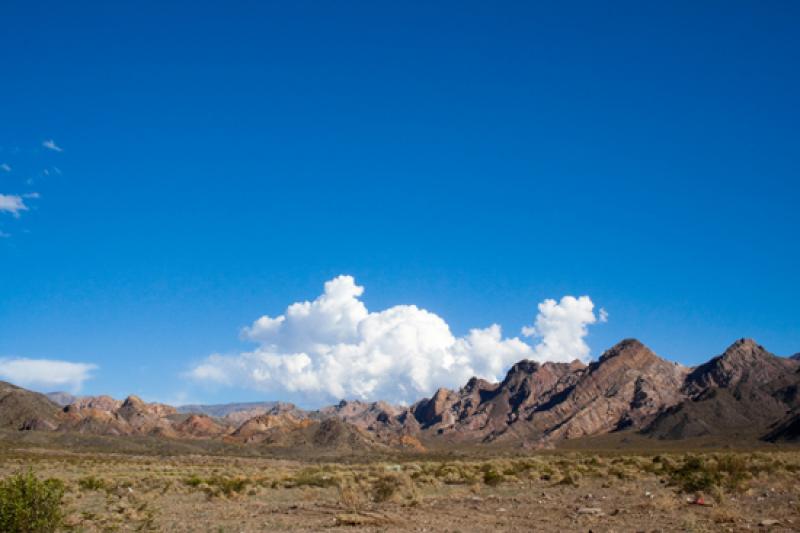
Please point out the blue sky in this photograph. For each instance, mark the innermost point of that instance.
(220, 161)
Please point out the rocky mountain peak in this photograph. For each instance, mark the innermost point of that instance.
(100, 403)
(435, 410)
(745, 350)
(627, 386)
(576, 364)
(477, 384)
(744, 361)
(133, 401)
(626, 349)
(525, 366)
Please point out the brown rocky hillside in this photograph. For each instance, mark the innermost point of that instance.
(743, 393)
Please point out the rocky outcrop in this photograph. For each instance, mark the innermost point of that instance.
(106, 416)
(199, 427)
(268, 427)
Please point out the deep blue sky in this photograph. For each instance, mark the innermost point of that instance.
(222, 160)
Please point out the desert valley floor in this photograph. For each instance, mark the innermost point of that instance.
(544, 491)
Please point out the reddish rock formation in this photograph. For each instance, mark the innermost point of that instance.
(746, 392)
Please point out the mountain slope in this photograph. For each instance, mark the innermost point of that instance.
(739, 393)
(483, 411)
(22, 409)
(626, 387)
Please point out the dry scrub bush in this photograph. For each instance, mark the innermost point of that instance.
(312, 477)
(394, 486)
(456, 473)
(91, 483)
(352, 493)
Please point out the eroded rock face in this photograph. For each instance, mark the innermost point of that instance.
(548, 402)
(438, 410)
(628, 385)
(483, 411)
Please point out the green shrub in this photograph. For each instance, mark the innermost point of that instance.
(193, 481)
(492, 477)
(29, 505)
(695, 474)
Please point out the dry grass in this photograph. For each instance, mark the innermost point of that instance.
(115, 492)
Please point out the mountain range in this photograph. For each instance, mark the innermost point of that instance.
(745, 394)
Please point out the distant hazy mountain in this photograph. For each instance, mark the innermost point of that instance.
(61, 398)
(241, 411)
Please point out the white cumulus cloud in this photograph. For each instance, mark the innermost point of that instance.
(50, 144)
(562, 327)
(333, 347)
(11, 203)
(45, 374)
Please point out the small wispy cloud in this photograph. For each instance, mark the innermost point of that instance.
(46, 374)
(11, 203)
(4, 235)
(5, 167)
(32, 195)
(50, 144)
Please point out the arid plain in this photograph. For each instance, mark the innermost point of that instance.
(542, 491)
